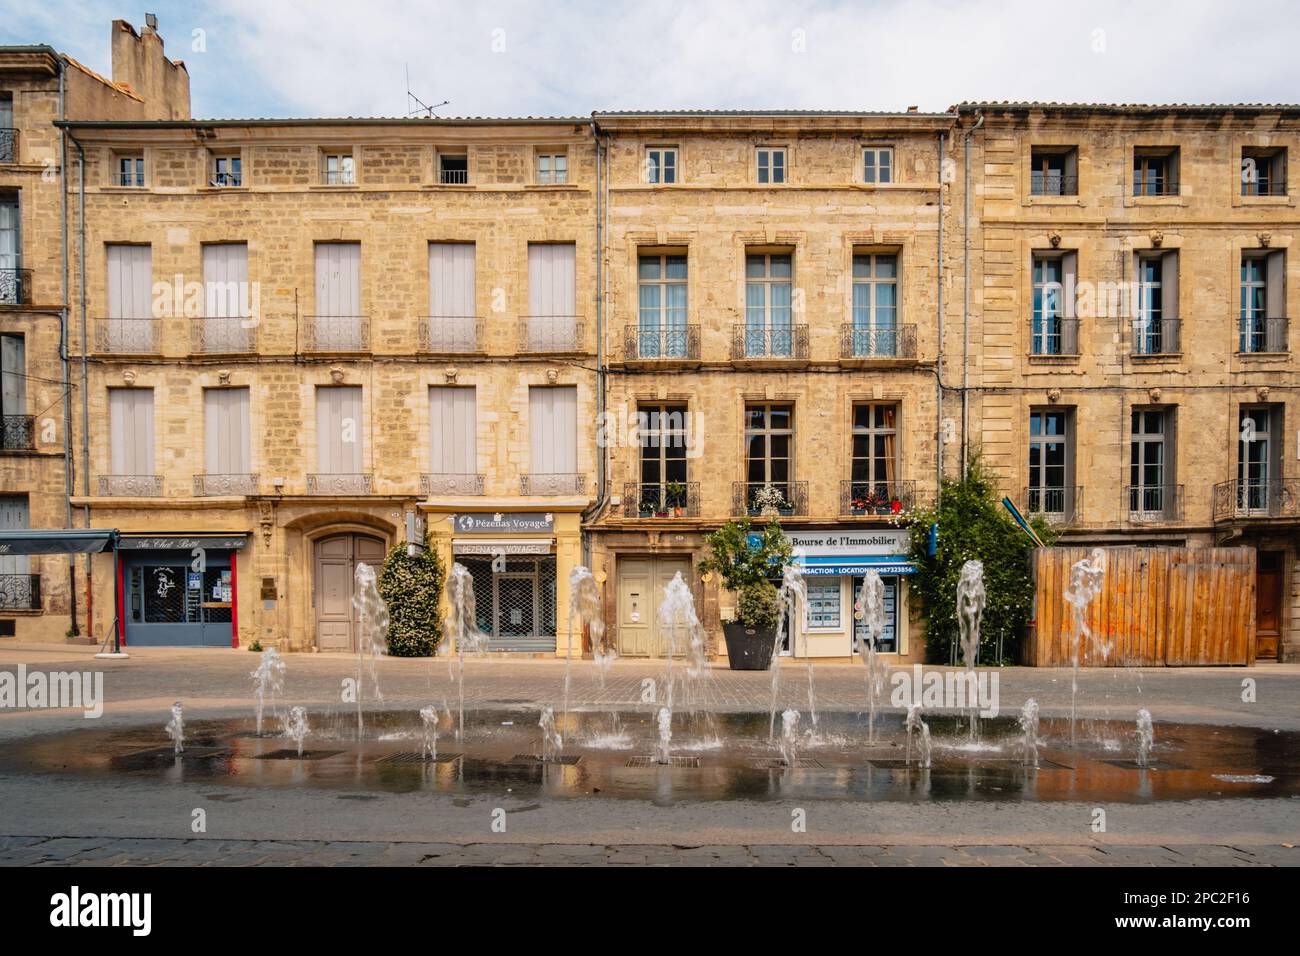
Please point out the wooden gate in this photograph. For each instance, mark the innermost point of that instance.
(1158, 606)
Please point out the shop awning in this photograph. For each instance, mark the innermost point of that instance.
(828, 565)
(182, 542)
(58, 541)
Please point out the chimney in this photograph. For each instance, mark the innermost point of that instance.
(140, 63)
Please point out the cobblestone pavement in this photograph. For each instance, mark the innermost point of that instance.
(67, 851)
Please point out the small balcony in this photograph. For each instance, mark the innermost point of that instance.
(451, 334)
(336, 333)
(880, 499)
(453, 171)
(1257, 335)
(553, 484)
(1053, 184)
(116, 336)
(20, 592)
(131, 486)
(1263, 186)
(777, 499)
(774, 344)
(1162, 337)
(1257, 498)
(868, 343)
(339, 484)
(18, 433)
(671, 499)
(655, 345)
(223, 336)
(1054, 337)
(1153, 504)
(209, 486)
(1058, 505)
(8, 145)
(15, 286)
(550, 334)
(443, 484)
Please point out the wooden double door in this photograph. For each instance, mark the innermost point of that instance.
(641, 583)
(336, 560)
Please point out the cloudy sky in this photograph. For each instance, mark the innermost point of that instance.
(329, 58)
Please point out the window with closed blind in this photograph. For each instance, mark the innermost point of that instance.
(553, 426)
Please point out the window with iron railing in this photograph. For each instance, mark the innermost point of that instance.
(339, 169)
(1155, 172)
(662, 297)
(875, 305)
(1054, 171)
(130, 170)
(453, 170)
(1263, 320)
(1263, 172)
(227, 171)
(1150, 452)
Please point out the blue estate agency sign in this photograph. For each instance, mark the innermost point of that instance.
(512, 522)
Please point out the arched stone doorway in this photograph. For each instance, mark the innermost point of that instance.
(336, 560)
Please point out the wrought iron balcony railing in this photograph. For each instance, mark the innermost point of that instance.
(673, 499)
(1162, 337)
(1263, 186)
(336, 333)
(131, 486)
(226, 179)
(674, 343)
(20, 592)
(18, 432)
(874, 342)
(553, 484)
(1054, 335)
(15, 286)
(8, 145)
(118, 336)
(1059, 505)
(232, 334)
(1053, 184)
(214, 485)
(1158, 187)
(1257, 334)
(450, 484)
(776, 343)
(1154, 503)
(543, 334)
(453, 177)
(339, 484)
(769, 499)
(451, 334)
(1257, 498)
(882, 498)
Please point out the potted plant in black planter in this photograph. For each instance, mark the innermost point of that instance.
(747, 569)
(676, 497)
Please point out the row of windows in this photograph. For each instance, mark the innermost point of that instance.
(1054, 171)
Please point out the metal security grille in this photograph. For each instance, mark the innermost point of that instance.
(515, 602)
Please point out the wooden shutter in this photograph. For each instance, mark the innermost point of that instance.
(226, 431)
(1069, 312)
(451, 279)
(552, 279)
(1169, 284)
(13, 375)
(14, 516)
(338, 278)
(130, 424)
(338, 418)
(453, 425)
(130, 270)
(553, 414)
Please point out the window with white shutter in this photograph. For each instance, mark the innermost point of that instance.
(338, 325)
(553, 425)
(226, 307)
(129, 323)
(552, 297)
(452, 324)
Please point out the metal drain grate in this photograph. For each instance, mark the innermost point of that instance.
(292, 754)
(567, 760)
(800, 763)
(417, 756)
(169, 753)
(691, 763)
(1152, 765)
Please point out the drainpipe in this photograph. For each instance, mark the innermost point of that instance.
(85, 374)
(965, 304)
(938, 384)
(602, 474)
(68, 478)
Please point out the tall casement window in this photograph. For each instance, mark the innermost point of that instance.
(553, 430)
(452, 323)
(1054, 329)
(131, 444)
(129, 326)
(130, 169)
(228, 445)
(16, 588)
(771, 164)
(1155, 324)
(769, 459)
(1050, 464)
(552, 323)
(874, 330)
(874, 487)
(453, 441)
(338, 169)
(1054, 171)
(769, 295)
(1259, 459)
(8, 134)
(12, 291)
(1155, 171)
(17, 424)
(338, 325)
(340, 440)
(1151, 492)
(1263, 321)
(664, 487)
(227, 309)
(661, 292)
(661, 165)
(1263, 172)
(877, 165)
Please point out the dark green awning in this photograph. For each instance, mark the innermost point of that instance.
(58, 541)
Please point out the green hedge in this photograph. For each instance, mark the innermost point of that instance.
(411, 585)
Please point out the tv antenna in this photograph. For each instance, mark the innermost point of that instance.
(421, 107)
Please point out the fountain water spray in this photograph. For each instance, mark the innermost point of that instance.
(552, 743)
(1086, 578)
(585, 609)
(789, 737)
(872, 599)
(970, 613)
(176, 727)
(429, 732)
(1029, 727)
(677, 618)
(295, 726)
(791, 597)
(665, 721)
(1146, 736)
(372, 633)
(915, 725)
(268, 681)
(462, 629)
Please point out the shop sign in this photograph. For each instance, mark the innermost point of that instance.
(510, 522)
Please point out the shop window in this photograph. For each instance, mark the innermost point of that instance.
(888, 642)
(823, 603)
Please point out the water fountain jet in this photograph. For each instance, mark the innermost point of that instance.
(871, 597)
(970, 613)
(295, 726)
(791, 597)
(176, 727)
(372, 634)
(268, 681)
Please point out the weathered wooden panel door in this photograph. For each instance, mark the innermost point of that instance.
(1268, 604)
(641, 584)
(336, 562)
